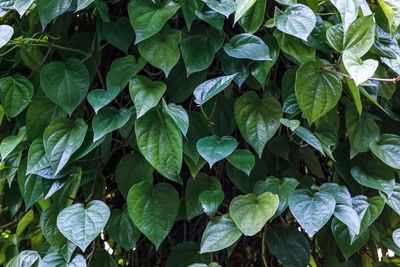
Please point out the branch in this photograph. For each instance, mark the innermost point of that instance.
(393, 80)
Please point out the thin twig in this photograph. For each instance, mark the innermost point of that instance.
(393, 80)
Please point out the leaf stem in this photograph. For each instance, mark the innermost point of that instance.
(263, 248)
(393, 80)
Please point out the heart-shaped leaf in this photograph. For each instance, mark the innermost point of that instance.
(65, 83)
(61, 139)
(251, 212)
(148, 17)
(348, 10)
(194, 187)
(387, 149)
(348, 216)
(317, 91)
(297, 20)
(194, 55)
(213, 149)
(161, 50)
(108, 120)
(10, 143)
(156, 127)
(26, 258)
(221, 232)
(248, 46)
(119, 34)
(6, 32)
(210, 88)
(55, 259)
(100, 98)
(153, 209)
(224, 7)
(243, 160)
(189, 8)
(211, 200)
(145, 93)
(358, 69)
(257, 119)
(312, 211)
(122, 70)
(16, 93)
(73, 222)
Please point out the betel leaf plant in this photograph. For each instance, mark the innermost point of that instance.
(199, 133)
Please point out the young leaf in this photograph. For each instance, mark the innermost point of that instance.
(145, 93)
(250, 212)
(6, 32)
(257, 119)
(73, 221)
(214, 149)
(348, 10)
(312, 211)
(297, 20)
(108, 120)
(210, 88)
(221, 232)
(242, 7)
(211, 200)
(153, 209)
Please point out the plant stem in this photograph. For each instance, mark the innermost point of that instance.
(263, 248)
(393, 80)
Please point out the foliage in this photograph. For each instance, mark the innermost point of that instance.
(199, 133)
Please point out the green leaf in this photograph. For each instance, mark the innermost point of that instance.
(213, 18)
(132, 169)
(161, 50)
(348, 216)
(243, 160)
(61, 139)
(122, 70)
(343, 239)
(148, 18)
(211, 200)
(108, 120)
(312, 211)
(199, 48)
(189, 8)
(9, 143)
(210, 88)
(335, 36)
(248, 46)
(317, 91)
(26, 258)
(74, 220)
(295, 47)
(145, 93)
(394, 200)
(221, 232)
(358, 69)
(37, 159)
(194, 187)
(119, 34)
(48, 222)
(122, 230)
(82, 4)
(254, 17)
(156, 127)
(310, 138)
(184, 254)
(153, 209)
(348, 10)
(103, 258)
(373, 173)
(214, 149)
(396, 237)
(65, 83)
(291, 124)
(361, 130)
(297, 20)
(257, 119)
(179, 115)
(24, 222)
(282, 187)
(391, 8)
(15, 94)
(339, 192)
(360, 36)
(57, 260)
(288, 245)
(30, 186)
(242, 7)
(50, 9)
(224, 7)
(6, 33)
(99, 98)
(250, 212)
(39, 115)
(387, 149)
